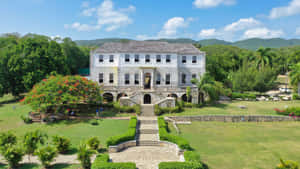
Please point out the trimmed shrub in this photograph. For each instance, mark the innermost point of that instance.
(164, 110)
(62, 144)
(180, 165)
(164, 135)
(32, 140)
(46, 155)
(129, 135)
(94, 122)
(127, 109)
(13, 155)
(288, 164)
(102, 162)
(93, 143)
(235, 95)
(191, 156)
(6, 139)
(26, 119)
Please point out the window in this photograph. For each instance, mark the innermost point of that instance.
(168, 58)
(136, 58)
(183, 59)
(158, 58)
(111, 78)
(183, 78)
(100, 58)
(127, 58)
(147, 58)
(194, 76)
(127, 79)
(111, 58)
(101, 78)
(158, 79)
(194, 59)
(168, 79)
(136, 79)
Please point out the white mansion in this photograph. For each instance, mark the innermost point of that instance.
(147, 72)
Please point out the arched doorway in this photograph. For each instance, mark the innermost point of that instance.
(147, 99)
(186, 99)
(173, 95)
(121, 95)
(108, 97)
(147, 81)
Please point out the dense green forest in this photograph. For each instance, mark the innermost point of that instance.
(26, 60)
(251, 44)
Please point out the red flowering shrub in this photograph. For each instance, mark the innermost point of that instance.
(59, 90)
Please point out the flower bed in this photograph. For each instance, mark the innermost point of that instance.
(293, 112)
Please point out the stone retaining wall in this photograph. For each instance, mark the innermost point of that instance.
(228, 118)
(122, 146)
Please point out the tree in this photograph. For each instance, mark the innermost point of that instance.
(295, 75)
(84, 155)
(208, 86)
(32, 140)
(93, 143)
(6, 139)
(263, 57)
(46, 155)
(13, 154)
(56, 91)
(62, 144)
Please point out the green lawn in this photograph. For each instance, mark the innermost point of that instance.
(244, 145)
(253, 108)
(76, 131)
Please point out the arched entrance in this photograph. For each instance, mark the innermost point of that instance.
(147, 99)
(108, 97)
(173, 95)
(186, 99)
(147, 81)
(121, 95)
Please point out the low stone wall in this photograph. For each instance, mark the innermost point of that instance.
(122, 146)
(233, 118)
(172, 146)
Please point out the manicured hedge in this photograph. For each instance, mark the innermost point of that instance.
(102, 162)
(129, 135)
(127, 109)
(163, 110)
(180, 165)
(192, 156)
(235, 95)
(164, 135)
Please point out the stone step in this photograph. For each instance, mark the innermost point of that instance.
(148, 143)
(145, 137)
(148, 121)
(148, 126)
(147, 110)
(147, 131)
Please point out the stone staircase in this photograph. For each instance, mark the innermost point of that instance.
(147, 133)
(147, 110)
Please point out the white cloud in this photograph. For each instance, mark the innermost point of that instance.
(208, 33)
(242, 24)
(171, 27)
(212, 3)
(262, 33)
(298, 31)
(107, 16)
(293, 8)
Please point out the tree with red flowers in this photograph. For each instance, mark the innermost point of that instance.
(58, 90)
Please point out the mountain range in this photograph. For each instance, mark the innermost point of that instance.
(251, 44)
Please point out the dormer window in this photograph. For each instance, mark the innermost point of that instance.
(111, 58)
(194, 59)
(158, 58)
(168, 58)
(136, 58)
(127, 58)
(183, 59)
(147, 58)
(100, 58)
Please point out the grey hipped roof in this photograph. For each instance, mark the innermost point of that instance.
(148, 47)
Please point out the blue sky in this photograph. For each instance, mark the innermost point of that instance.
(230, 20)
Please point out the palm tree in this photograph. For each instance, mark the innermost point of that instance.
(208, 86)
(295, 75)
(263, 57)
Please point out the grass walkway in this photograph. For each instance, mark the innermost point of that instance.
(253, 108)
(244, 145)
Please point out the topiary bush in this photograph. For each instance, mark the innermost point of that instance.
(93, 143)
(164, 135)
(13, 155)
(180, 165)
(129, 135)
(62, 144)
(46, 155)
(102, 162)
(288, 164)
